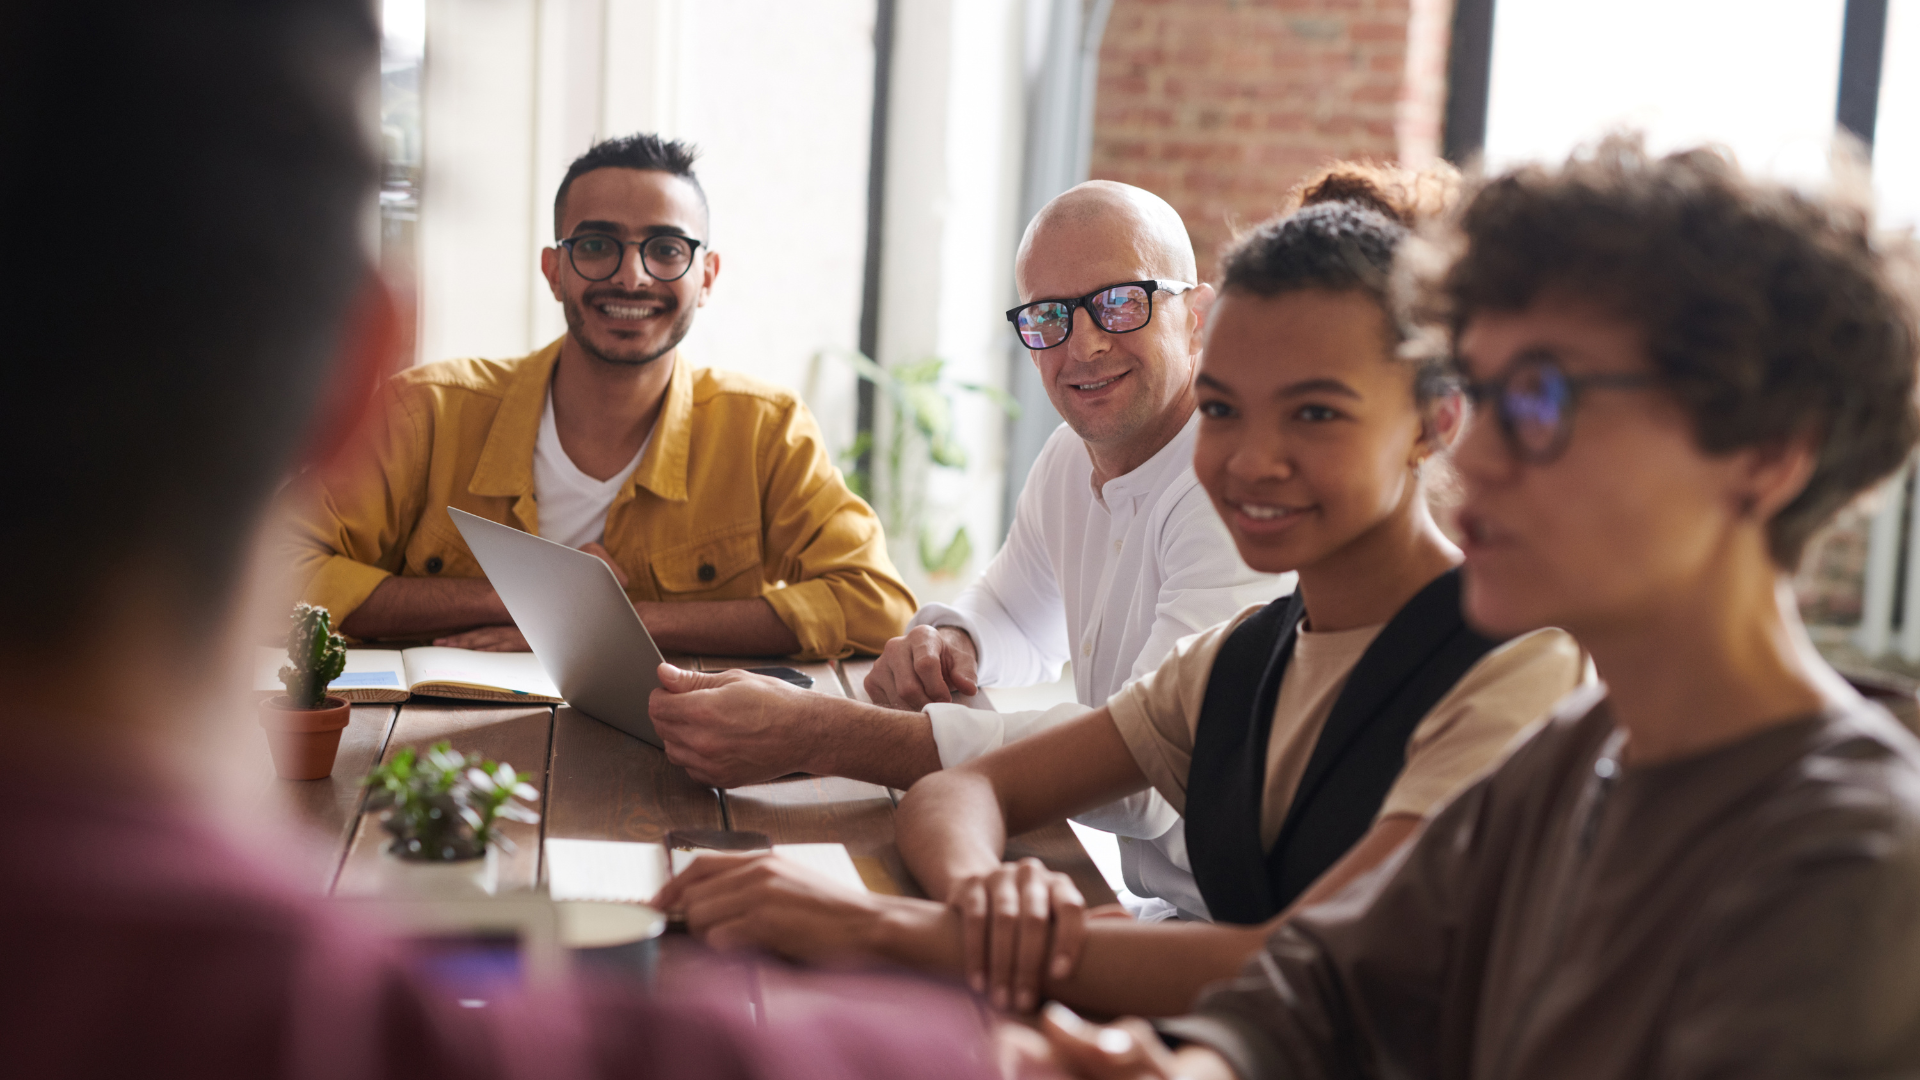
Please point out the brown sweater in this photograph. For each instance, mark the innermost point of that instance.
(1753, 911)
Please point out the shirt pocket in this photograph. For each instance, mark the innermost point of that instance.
(438, 550)
(725, 566)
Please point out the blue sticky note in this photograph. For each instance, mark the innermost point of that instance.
(364, 678)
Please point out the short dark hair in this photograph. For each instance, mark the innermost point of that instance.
(639, 151)
(1344, 238)
(1769, 314)
(181, 320)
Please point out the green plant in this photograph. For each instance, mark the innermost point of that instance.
(919, 437)
(445, 806)
(315, 657)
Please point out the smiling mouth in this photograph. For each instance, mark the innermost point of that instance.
(629, 309)
(1089, 387)
(1260, 512)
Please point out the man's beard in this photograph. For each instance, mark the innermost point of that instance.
(576, 323)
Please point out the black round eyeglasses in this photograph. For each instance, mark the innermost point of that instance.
(597, 256)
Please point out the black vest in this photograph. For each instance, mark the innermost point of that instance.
(1417, 658)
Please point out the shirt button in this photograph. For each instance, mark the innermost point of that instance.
(707, 572)
(1086, 648)
(1116, 546)
(434, 565)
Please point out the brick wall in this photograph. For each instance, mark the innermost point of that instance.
(1219, 106)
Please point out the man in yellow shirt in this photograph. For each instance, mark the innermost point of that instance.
(709, 494)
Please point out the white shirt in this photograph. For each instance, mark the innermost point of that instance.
(573, 505)
(1111, 580)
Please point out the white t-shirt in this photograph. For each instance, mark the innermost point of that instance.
(1109, 579)
(573, 505)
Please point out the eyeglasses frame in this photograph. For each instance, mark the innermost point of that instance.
(1152, 285)
(1495, 390)
(692, 256)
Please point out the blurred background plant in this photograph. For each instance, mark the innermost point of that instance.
(443, 806)
(916, 435)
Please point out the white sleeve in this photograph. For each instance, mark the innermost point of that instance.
(963, 734)
(1203, 582)
(1015, 612)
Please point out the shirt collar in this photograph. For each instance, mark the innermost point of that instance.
(505, 467)
(663, 470)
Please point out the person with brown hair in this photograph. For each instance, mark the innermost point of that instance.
(1709, 866)
(1303, 740)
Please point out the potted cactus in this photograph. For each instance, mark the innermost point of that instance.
(303, 725)
(443, 809)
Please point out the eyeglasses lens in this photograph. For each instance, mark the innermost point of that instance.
(1535, 406)
(1122, 309)
(596, 258)
(1042, 326)
(667, 257)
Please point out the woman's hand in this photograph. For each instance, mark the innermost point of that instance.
(1017, 921)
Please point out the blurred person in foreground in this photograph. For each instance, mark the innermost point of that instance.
(710, 494)
(138, 939)
(1709, 866)
(1304, 740)
(1113, 555)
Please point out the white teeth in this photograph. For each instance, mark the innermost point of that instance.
(1263, 513)
(627, 311)
(1095, 385)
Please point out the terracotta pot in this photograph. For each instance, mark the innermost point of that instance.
(303, 741)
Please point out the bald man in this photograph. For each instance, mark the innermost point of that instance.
(1114, 553)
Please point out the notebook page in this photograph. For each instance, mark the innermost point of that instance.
(611, 871)
(370, 675)
(436, 669)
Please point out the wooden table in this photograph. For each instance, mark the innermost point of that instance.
(598, 783)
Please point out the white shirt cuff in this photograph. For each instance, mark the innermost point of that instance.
(962, 734)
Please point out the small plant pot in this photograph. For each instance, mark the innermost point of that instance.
(425, 879)
(303, 741)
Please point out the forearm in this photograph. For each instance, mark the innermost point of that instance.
(718, 628)
(403, 607)
(1126, 968)
(891, 747)
(1130, 968)
(950, 826)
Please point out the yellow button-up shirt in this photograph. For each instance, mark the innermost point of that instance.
(734, 498)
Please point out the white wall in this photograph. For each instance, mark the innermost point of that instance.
(955, 130)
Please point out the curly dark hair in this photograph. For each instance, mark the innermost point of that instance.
(1769, 314)
(1350, 221)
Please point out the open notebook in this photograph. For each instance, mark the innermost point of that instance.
(616, 871)
(390, 675)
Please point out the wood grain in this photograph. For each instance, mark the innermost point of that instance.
(607, 785)
(516, 735)
(327, 809)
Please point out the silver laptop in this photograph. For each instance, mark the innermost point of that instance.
(576, 617)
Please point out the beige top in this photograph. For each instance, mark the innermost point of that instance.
(1511, 687)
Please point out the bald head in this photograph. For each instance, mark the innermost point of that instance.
(1120, 220)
